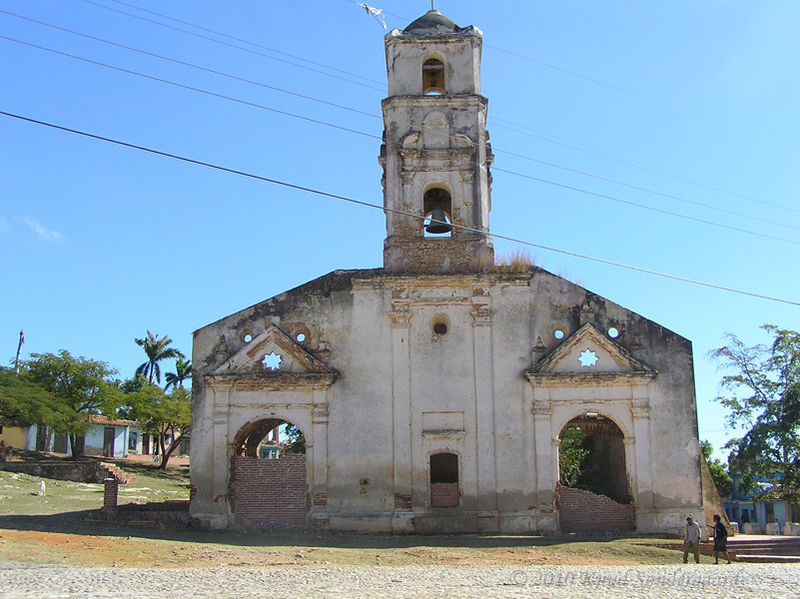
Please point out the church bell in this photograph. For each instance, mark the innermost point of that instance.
(438, 223)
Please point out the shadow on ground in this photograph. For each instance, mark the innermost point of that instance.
(75, 523)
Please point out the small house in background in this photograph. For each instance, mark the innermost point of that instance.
(107, 437)
(13, 436)
(742, 509)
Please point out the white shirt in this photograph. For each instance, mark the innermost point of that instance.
(692, 532)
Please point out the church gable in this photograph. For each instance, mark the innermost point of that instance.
(587, 357)
(272, 352)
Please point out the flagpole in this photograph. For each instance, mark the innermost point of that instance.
(19, 349)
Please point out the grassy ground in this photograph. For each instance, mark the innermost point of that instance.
(18, 492)
(53, 529)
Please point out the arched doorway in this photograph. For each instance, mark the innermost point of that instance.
(592, 493)
(268, 474)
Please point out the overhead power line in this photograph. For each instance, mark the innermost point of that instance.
(419, 216)
(238, 47)
(372, 115)
(644, 206)
(192, 88)
(647, 190)
(520, 56)
(239, 39)
(191, 65)
(372, 136)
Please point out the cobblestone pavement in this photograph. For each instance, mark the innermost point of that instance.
(763, 581)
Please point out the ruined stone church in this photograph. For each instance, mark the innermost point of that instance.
(438, 393)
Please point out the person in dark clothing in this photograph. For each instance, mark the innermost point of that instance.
(720, 539)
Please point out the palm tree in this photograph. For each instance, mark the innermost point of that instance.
(156, 350)
(183, 371)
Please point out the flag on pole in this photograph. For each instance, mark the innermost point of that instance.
(377, 13)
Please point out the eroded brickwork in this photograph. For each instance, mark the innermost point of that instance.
(110, 494)
(269, 491)
(444, 494)
(584, 511)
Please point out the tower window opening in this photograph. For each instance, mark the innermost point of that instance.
(437, 206)
(433, 77)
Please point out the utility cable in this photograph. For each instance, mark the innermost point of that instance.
(362, 133)
(646, 190)
(644, 206)
(372, 115)
(222, 43)
(189, 64)
(244, 41)
(544, 64)
(643, 167)
(394, 211)
(194, 89)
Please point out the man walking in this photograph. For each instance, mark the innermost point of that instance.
(691, 540)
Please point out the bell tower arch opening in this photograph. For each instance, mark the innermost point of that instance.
(437, 206)
(433, 77)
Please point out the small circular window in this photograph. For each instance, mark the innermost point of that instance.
(440, 328)
(301, 337)
(613, 332)
(558, 334)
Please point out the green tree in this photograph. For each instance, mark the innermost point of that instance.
(157, 350)
(762, 395)
(183, 371)
(79, 388)
(571, 456)
(23, 402)
(166, 416)
(295, 440)
(719, 472)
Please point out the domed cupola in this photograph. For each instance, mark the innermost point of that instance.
(432, 23)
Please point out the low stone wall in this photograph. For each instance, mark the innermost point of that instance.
(81, 471)
(168, 514)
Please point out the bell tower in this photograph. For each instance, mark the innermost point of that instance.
(435, 153)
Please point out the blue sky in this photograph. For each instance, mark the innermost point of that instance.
(687, 107)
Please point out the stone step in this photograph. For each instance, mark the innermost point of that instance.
(768, 559)
(118, 473)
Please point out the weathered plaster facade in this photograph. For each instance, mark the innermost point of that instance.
(441, 352)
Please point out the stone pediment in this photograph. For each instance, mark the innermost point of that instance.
(272, 361)
(589, 358)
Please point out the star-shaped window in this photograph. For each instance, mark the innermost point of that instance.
(588, 358)
(271, 361)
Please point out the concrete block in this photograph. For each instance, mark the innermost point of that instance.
(773, 528)
(792, 529)
(751, 528)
